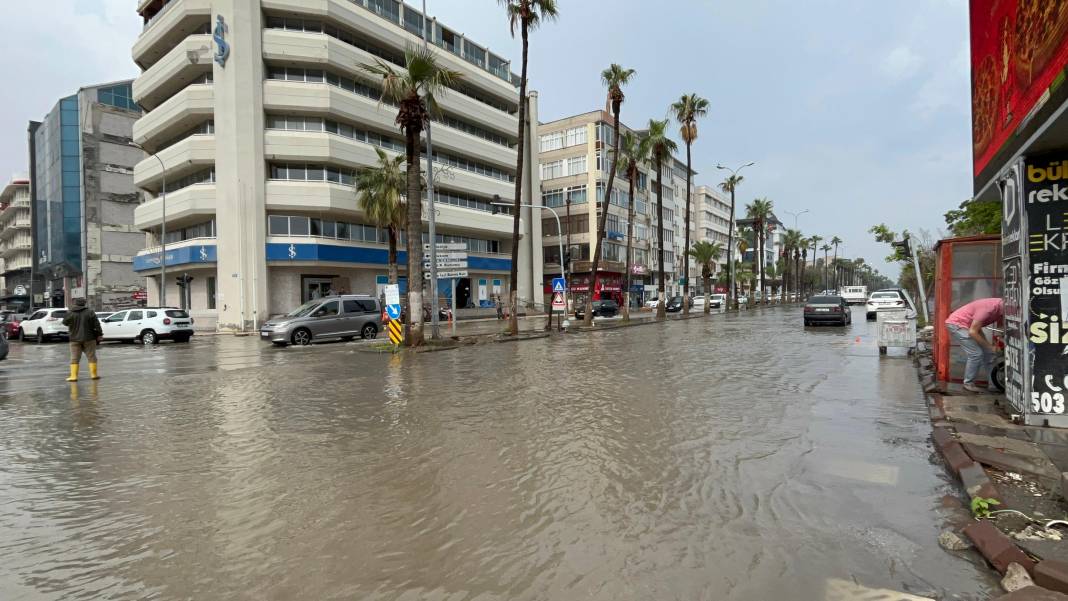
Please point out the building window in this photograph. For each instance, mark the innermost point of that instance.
(211, 292)
(120, 96)
(575, 136)
(558, 197)
(552, 170)
(552, 141)
(576, 165)
(390, 9)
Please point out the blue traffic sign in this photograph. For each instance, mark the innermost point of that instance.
(393, 311)
(559, 285)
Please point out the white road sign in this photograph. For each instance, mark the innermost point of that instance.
(444, 275)
(392, 294)
(447, 264)
(447, 246)
(446, 255)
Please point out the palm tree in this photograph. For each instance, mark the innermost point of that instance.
(804, 264)
(633, 151)
(743, 246)
(379, 192)
(760, 212)
(415, 92)
(791, 243)
(687, 109)
(660, 147)
(614, 77)
(706, 254)
(730, 185)
(526, 16)
(815, 241)
(826, 248)
(836, 241)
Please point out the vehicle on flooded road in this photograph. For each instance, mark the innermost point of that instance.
(601, 308)
(854, 295)
(827, 310)
(882, 300)
(334, 317)
(149, 325)
(43, 325)
(674, 304)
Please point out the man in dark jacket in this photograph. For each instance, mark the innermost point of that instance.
(85, 332)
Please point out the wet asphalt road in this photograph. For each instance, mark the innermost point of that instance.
(735, 457)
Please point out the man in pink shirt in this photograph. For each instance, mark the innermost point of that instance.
(966, 325)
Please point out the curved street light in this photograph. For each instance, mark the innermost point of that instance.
(163, 226)
(730, 234)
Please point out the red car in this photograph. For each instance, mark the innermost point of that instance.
(11, 323)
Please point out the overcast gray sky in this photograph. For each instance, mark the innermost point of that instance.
(857, 110)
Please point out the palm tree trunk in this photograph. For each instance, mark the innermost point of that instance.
(414, 244)
(686, 238)
(392, 232)
(732, 293)
(630, 238)
(513, 292)
(835, 266)
(763, 264)
(661, 308)
(708, 292)
(602, 222)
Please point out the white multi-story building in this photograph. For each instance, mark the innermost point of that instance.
(713, 218)
(16, 243)
(259, 115)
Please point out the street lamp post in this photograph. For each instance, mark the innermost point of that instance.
(560, 246)
(730, 235)
(163, 227)
(435, 332)
(796, 215)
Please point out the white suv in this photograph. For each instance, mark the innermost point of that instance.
(43, 325)
(149, 325)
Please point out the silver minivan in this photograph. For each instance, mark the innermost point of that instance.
(331, 317)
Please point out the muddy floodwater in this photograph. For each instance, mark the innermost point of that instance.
(734, 457)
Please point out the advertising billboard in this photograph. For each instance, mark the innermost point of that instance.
(1019, 49)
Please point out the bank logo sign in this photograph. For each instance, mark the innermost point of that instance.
(222, 49)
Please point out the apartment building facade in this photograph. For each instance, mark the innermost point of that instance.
(16, 244)
(258, 116)
(712, 208)
(83, 198)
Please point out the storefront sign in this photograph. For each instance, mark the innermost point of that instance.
(1036, 287)
(1019, 48)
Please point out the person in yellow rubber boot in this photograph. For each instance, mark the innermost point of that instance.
(85, 333)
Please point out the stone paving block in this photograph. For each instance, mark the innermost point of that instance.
(1033, 593)
(1052, 574)
(997, 548)
(936, 413)
(956, 457)
(942, 437)
(1064, 486)
(1009, 454)
(977, 483)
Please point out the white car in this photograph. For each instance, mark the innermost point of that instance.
(149, 325)
(884, 300)
(855, 295)
(718, 301)
(651, 303)
(43, 325)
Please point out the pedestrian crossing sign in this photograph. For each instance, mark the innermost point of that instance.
(558, 285)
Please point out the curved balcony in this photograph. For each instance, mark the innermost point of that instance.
(346, 13)
(178, 20)
(191, 204)
(191, 154)
(184, 63)
(319, 51)
(179, 113)
(319, 147)
(291, 97)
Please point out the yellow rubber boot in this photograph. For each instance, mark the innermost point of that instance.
(73, 373)
(92, 372)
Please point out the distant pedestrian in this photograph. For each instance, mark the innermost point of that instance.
(500, 306)
(966, 325)
(84, 333)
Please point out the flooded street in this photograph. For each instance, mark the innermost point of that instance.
(735, 457)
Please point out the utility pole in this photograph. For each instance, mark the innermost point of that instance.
(432, 230)
(733, 294)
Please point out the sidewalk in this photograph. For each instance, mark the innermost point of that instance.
(1024, 468)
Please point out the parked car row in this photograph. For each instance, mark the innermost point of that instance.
(149, 325)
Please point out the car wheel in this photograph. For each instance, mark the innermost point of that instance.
(181, 338)
(20, 335)
(368, 331)
(40, 336)
(808, 323)
(302, 337)
(149, 337)
(278, 344)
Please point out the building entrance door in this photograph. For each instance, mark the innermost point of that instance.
(314, 287)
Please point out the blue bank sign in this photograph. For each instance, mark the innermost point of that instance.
(202, 253)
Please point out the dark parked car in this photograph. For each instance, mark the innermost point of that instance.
(3, 346)
(827, 309)
(601, 308)
(674, 304)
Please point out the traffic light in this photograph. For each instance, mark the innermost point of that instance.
(904, 246)
(184, 280)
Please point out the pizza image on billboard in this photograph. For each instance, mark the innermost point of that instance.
(1019, 49)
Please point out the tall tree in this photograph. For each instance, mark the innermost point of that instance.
(836, 241)
(730, 185)
(706, 254)
(744, 235)
(526, 16)
(614, 77)
(826, 248)
(791, 244)
(633, 151)
(804, 266)
(379, 192)
(687, 110)
(661, 148)
(760, 212)
(415, 92)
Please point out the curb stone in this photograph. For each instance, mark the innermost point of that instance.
(1052, 574)
(977, 483)
(1033, 593)
(997, 548)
